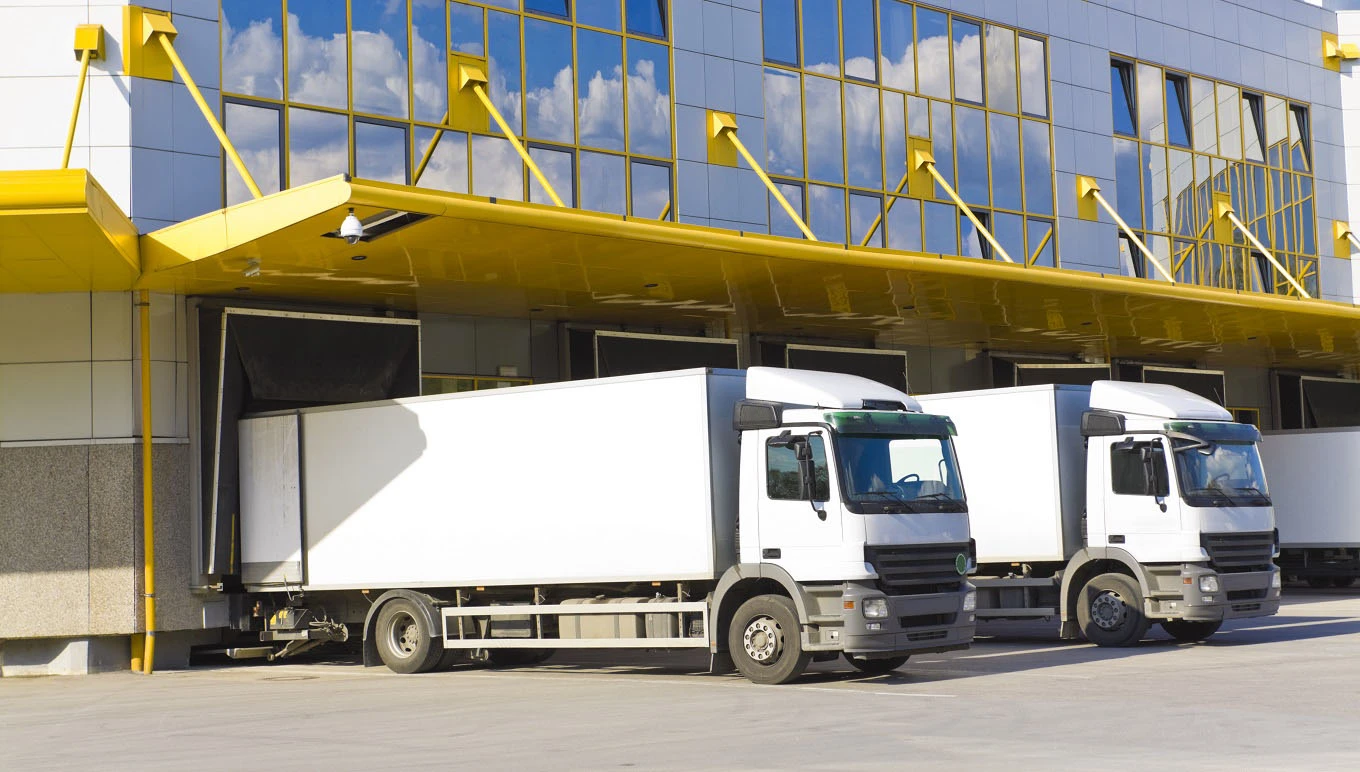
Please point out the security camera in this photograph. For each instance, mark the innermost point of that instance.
(351, 229)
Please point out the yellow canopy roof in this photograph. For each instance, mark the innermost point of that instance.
(60, 232)
(477, 256)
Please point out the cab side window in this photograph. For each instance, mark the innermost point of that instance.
(784, 479)
(1139, 469)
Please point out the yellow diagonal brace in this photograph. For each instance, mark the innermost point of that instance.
(164, 39)
(923, 160)
(1034, 258)
(429, 151)
(878, 220)
(724, 125)
(89, 47)
(1223, 208)
(473, 78)
(1342, 233)
(665, 212)
(1086, 186)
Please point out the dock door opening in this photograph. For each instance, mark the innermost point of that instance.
(602, 353)
(886, 367)
(1314, 402)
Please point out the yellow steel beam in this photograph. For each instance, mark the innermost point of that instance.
(1344, 238)
(1089, 190)
(922, 159)
(665, 212)
(470, 77)
(724, 125)
(1223, 210)
(1039, 249)
(429, 151)
(148, 508)
(164, 38)
(878, 220)
(89, 47)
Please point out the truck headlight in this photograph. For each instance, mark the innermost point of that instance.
(1208, 583)
(875, 608)
(1275, 582)
(970, 601)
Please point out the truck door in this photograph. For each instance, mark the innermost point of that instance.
(798, 532)
(1139, 505)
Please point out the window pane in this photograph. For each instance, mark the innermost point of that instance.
(598, 13)
(1033, 77)
(252, 49)
(967, 61)
(380, 152)
(503, 70)
(1277, 121)
(447, 168)
(783, 478)
(318, 54)
(1307, 222)
(1041, 240)
(866, 213)
(599, 89)
(1127, 178)
(651, 194)
(548, 91)
(973, 244)
(428, 64)
(497, 171)
(1154, 189)
(1009, 231)
(942, 132)
(1229, 122)
(1005, 153)
(942, 234)
(649, 99)
(1121, 98)
(1300, 140)
(602, 183)
(466, 29)
(1177, 111)
(379, 37)
(904, 225)
(858, 22)
(255, 133)
(780, 31)
(556, 166)
(897, 60)
(863, 146)
(821, 37)
(1039, 168)
(971, 135)
(780, 222)
(1001, 69)
(1202, 114)
(783, 123)
(823, 100)
(512, 5)
(318, 146)
(647, 17)
(918, 117)
(1253, 128)
(894, 138)
(932, 52)
(826, 213)
(1181, 196)
(1151, 124)
(551, 7)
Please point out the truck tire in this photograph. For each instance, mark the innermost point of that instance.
(1343, 581)
(1110, 611)
(1190, 632)
(405, 642)
(765, 640)
(877, 666)
(1319, 582)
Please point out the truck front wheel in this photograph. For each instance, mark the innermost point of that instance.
(765, 641)
(406, 644)
(1110, 611)
(1190, 632)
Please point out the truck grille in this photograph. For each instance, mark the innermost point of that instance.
(1231, 553)
(916, 570)
(927, 620)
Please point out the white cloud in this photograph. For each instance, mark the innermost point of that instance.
(783, 123)
(316, 67)
(254, 131)
(601, 109)
(649, 112)
(497, 170)
(448, 165)
(550, 110)
(379, 75)
(252, 59)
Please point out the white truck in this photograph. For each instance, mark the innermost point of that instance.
(1316, 490)
(1112, 506)
(772, 516)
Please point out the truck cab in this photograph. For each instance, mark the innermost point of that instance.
(851, 494)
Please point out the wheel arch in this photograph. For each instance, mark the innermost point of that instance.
(424, 603)
(1091, 562)
(743, 582)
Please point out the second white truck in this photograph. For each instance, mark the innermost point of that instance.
(1114, 506)
(1316, 489)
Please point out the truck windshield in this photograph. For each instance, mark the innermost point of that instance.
(887, 474)
(1219, 474)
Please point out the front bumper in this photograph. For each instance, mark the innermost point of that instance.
(1239, 596)
(916, 624)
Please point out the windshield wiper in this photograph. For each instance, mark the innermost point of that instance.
(1254, 491)
(1217, 493)
(894, 499)
(942, 497)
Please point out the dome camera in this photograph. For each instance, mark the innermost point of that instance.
(351, 229)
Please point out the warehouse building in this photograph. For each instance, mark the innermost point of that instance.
(944, 195)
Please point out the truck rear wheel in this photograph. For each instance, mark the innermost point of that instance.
(765, 640)
(877, 666)
(406, 644)
(1190, 632)
(1110, 611)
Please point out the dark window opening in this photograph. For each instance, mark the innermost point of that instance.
(1177, 110)
(1122, 96)
(783, 473)
(1139, 469)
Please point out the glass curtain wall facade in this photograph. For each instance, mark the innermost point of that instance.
(848, 81)
(1179, 138)
(363, 87)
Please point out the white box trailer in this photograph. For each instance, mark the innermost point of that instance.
(1316, 490)
(496, 522)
